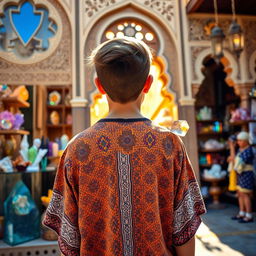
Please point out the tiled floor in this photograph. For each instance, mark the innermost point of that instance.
(218, 235)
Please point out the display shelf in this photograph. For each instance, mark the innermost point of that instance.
(34, 247)
(63, 109)
(55, 106)
(15, 102)
(48, 169)
(205, 165)
(210, 133)
(212, 150)
(209, 121)
(14, 132)
(241, 122)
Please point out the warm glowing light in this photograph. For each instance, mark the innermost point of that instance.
(110, 35)
(149, 36)
(133, 24)
(236, 41)
(138, 28)
(125, 24)
(120, 27)
(139, 36)
(119, 34)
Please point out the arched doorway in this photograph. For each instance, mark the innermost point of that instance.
(160, 101)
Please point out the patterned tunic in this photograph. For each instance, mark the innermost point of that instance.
(244, 168)
(124, 187)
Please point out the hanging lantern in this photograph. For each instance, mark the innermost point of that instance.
(236, 38)
(217, 38)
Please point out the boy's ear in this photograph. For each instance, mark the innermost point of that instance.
(99, 85)
(148, 84)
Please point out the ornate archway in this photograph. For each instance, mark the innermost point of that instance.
(166, 74)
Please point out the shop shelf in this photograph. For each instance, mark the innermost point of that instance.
(210, 133)
(55, 106)
(209, 121)
(34, 247)
(205, 165)
(241, 122)
(15, 102)
(49, 169)
(14, 132)
(55, 125)
(212, 150)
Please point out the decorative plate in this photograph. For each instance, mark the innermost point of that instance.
(54, 98)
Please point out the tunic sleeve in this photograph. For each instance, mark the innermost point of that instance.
(188, 202)
(62, 212)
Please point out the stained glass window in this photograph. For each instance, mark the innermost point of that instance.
(25, 28)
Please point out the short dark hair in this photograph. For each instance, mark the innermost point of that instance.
(122, 66)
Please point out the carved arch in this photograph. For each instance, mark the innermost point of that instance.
(229, 62)
(143, 10)
(252, 65)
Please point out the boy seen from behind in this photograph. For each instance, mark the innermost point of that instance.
(125, 186)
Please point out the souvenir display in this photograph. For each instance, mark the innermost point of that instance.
(33, 151)
(67, 100)
(5, 90)
(6, 164)
(7, 120)
(24, 148)
(69, 119)
(55, 149)
(205, 113)
(214, 172)
(9, 146)
(54, 118)
(64, 141)
(54, 98)
(240, 114)
(21, 92)
(40, 155)
(213, 144)
(18, 122)
(22, 219)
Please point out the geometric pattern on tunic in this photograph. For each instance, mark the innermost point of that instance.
(124, 172)
(69, 233)
(185, 210)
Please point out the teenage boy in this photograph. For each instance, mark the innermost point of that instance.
(125, 186)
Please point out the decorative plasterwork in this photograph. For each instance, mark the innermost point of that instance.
(165, 9)
(53, 41)
(68, 3)
(54, 70)
(198, 54)
(195, 51)
(249, 27)
(200, 31)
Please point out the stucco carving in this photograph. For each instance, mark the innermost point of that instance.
(164, 8)
(249, 27)
(56, 69)
(195, 51)
(93, 6)
(198, 29)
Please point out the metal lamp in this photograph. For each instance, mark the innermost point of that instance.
(236, 37)
(217, 38)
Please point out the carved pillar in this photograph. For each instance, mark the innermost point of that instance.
(187, 112)
(79, 103)
(243, 91)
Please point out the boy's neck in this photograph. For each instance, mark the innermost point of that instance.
(128, 110)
